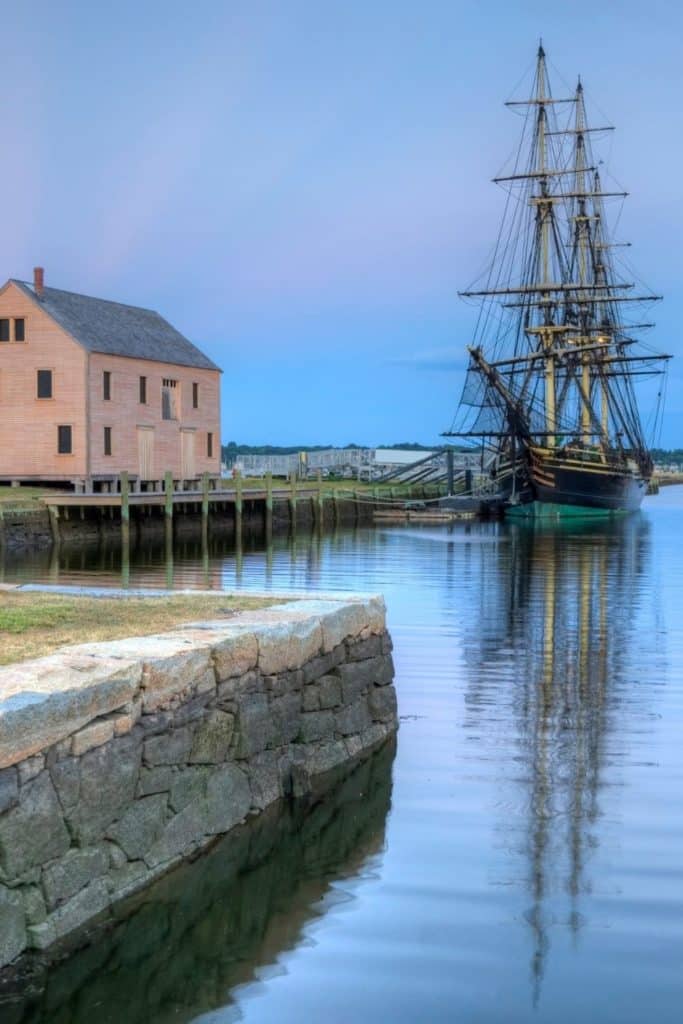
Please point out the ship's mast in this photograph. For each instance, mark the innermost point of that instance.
(554, 360)
(544, 213)
(601, 256)
(582, 234)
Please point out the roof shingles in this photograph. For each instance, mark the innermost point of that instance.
(110, 327)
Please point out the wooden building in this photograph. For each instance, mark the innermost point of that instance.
(89, 388)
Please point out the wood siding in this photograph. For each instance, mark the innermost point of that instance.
(124, 413)
(28, 425)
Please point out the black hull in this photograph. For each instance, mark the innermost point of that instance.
(588, 488)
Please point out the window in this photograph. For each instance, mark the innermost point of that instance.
(106, 385)
(195, 395)
(143, 391)
(64, 440)
(19, 331)
(169, 399)
(107, 440)
(45, 384)
(209, 446)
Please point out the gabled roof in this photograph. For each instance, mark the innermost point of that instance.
(117, 330)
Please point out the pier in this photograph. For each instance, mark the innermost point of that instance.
(239, 507)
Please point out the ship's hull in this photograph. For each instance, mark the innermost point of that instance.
(574, 489)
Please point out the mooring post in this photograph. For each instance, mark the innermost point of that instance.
(125, 555)
(168, 553)
(320, 500)
(205, 509)
(238, 507)
(205, 557)
(238, 556)
(315, 499)
(125, 497)
(53, 569)
(292, 498)
(168, 513)
(53, 513)
(168, 491)
(269, 503)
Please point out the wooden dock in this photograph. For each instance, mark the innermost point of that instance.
(120, 495)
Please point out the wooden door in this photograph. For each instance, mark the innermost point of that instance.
(146, 453)
(187, 454)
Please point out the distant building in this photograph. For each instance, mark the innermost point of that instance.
(89, 388)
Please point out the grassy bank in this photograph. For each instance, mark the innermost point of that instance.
(34, 624)
(23, 497)
(341, 488)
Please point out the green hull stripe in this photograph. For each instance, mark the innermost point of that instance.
(550, 510)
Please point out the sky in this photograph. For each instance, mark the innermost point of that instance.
(302, 188)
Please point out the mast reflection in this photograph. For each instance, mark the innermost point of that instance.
(562, 609)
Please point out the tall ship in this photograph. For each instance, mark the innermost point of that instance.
(557, 361)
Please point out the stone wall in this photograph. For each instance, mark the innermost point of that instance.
(119, 760)
(22, 528)
(220, 916)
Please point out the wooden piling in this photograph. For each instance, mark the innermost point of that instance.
(168, 552)
(238, 507)
(53, 513)
(292, 499)
(168, 491)
(124, 486)
(449, 470)
(320, 500)
(125, 555)
(205, 509)
(269, 504)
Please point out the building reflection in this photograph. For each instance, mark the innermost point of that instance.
(562, 609)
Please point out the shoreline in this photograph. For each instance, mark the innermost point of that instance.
(121, 760)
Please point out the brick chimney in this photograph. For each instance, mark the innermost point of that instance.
(38, 275)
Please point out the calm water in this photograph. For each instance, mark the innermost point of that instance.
(522, 857)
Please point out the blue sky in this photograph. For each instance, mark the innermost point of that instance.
(302, 187)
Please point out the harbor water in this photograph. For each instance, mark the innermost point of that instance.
(519, 859)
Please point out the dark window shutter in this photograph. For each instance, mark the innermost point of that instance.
(64, 440)
(45, 384)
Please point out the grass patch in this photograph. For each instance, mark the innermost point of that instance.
(345, 488)
(34, 624)
(22, 497)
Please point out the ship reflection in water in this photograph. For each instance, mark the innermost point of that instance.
(533, 862)
(566, 610)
